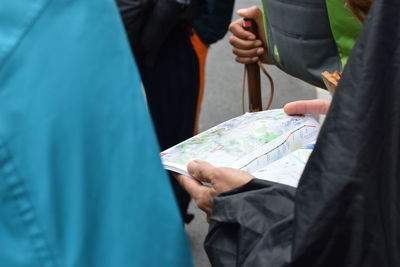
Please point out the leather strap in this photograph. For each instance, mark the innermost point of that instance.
(271, 83)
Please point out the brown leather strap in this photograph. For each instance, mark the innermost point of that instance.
(253, 74)
(271, 83)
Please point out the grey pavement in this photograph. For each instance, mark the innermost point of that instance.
(223, 101)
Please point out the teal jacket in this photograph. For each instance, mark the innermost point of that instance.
(81, 182)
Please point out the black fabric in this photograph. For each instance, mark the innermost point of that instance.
(355, 169)
(242, 219)
(159, 33)
(149, 22)
(346, 208)
(214, 20)
(163, 18)
(172, 88)
(134, 14)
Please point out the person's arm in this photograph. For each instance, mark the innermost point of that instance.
(133, 13)
(246, 215)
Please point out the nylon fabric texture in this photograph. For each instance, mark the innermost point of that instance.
(81, 182)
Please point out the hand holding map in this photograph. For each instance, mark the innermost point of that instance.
(220, 179)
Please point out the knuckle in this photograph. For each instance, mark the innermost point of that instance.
(239, 60)
(248, 45)
(233, 27)
(203, 173)
(244, 53)
(232, 39)
(214, 174)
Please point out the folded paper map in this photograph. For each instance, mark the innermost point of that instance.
(268, 144)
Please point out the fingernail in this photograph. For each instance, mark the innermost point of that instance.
(251, 37)
(258, 43)
(260, 51)
(254, 59)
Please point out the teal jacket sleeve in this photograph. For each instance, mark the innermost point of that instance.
(81, 182)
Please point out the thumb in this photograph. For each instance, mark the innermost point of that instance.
(253, 12)
(201, 170)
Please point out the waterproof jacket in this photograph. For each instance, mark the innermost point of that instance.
(308, 37)
(346, 209)
(81, 182)
(149, 22)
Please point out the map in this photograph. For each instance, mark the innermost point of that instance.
(288, 169)
(249, 142)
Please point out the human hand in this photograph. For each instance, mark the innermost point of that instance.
(220, 179)
(315, 106)
(245, 45)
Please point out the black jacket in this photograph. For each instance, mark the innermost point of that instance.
(346, 209)
(214, 19)
(148, 22)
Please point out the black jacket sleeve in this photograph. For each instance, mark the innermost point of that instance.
(149, 22)
(214, 20)
(246, 221)
(134, 13)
